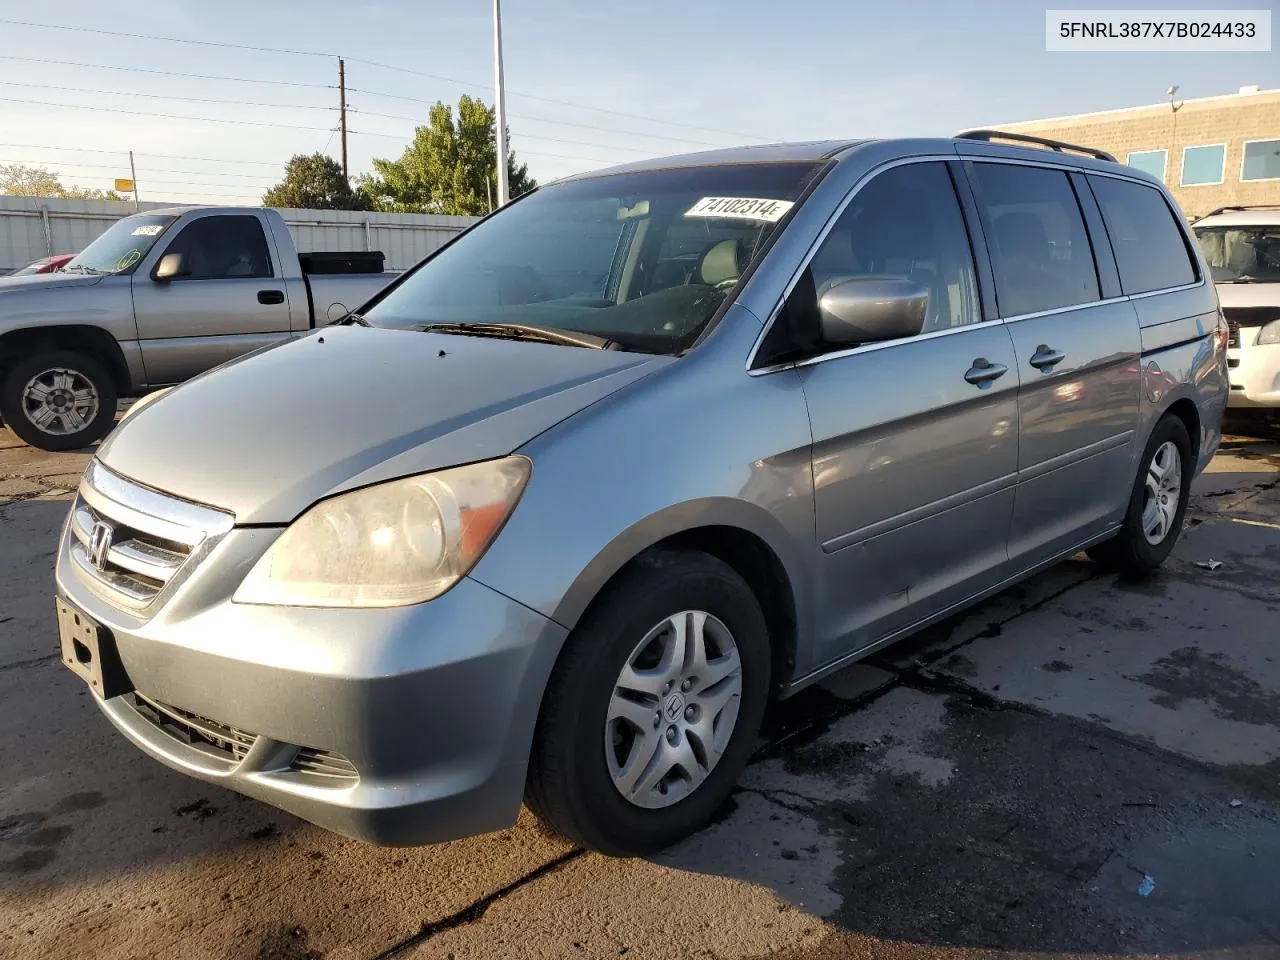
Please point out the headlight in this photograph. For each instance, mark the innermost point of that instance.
(1270, 333)
(393, 544)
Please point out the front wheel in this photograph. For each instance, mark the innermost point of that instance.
(1156, 505)
(58, 400)
(653, 709)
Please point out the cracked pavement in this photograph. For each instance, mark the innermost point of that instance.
(1003, 784)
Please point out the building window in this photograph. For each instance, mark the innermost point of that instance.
(1153, 162)
(1202, 166)
(1261, 160)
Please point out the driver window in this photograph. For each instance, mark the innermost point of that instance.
(906, 224)
(223, 247)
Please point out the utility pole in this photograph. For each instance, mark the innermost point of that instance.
(500, 102)
(342, 111)
(133, 172)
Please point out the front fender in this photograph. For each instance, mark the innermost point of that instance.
(699, 443)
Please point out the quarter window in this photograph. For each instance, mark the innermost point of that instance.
(223, 247)
(1036, 237)
(1261, 160)
(1202, 166)
(906, 223)
(1150, 251)
(1153, 162)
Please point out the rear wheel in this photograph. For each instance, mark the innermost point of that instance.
(1156, 505)
(58, 400)
(653, 709)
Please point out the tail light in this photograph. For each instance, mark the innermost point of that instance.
(1224, 332)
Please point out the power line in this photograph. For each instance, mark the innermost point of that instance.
(529, 119)
(167, 116)
(170, 73)
(149, 170)
(146, 36)
(164, 96)
(125, 153)
(532, 153)
(371, 63)
(527, 136)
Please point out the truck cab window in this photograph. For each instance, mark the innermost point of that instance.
(223, 247)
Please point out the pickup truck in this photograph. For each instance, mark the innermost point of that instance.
(158, 298)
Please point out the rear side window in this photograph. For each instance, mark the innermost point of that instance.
(1036, 237)
(223, 247)
(1145, 238)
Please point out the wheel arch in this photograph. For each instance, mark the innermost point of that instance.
(743, 536)
(81, 338)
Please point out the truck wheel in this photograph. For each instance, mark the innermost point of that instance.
(653, 709)
(58, 400)
(1156, 505)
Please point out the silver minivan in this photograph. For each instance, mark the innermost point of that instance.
(557, 515)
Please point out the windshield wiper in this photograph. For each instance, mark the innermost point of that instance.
(1244, 278)
(351, 320)
(520, 331)
(81, 268)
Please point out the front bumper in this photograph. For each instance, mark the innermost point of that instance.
(1254, 372)
(433, 705)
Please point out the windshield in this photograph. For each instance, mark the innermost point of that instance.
(641, 259)
(1242, 254)
(120, 249)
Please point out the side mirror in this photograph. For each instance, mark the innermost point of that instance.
(853, 310)
(170, 267)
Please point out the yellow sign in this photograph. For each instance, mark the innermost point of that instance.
(124, 185)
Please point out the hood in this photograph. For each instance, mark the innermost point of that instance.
(47, 281)
(1248, 294)
(269, 434)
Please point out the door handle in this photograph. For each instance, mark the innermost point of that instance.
(1046, 358)
(271, 296)
(984, 372)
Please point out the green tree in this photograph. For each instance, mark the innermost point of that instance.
(17, 180)
(314, 182)
(449, 166)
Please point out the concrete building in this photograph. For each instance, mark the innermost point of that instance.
(1211, 151)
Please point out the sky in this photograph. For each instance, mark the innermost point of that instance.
(589, 84)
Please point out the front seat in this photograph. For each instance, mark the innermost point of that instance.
(721, 264)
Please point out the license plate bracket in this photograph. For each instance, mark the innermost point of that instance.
(89, 650)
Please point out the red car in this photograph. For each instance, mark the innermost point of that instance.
(44, 265)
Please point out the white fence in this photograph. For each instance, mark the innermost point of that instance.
(34, 227)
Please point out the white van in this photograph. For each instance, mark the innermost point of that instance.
(1242, 246)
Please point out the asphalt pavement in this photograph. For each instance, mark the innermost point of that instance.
(1079, 766)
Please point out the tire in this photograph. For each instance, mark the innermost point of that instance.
(579, 743)
(1131, 551)
(85, 421)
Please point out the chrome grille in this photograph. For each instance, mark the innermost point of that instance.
(129, 541)
(324, 764)
(197, 731)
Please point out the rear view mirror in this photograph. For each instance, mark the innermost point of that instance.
(853, 310)
(170, 267)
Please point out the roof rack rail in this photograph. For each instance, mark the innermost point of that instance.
(1241, 208)
(1060, 146)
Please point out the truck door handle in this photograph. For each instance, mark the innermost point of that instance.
(984, 372)
(271, 296)
(1046, 358)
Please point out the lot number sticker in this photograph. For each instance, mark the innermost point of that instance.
(147, 230)
(740, 208)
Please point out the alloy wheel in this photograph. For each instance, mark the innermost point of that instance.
(1163, 493)
(60, 401)
(673, 709)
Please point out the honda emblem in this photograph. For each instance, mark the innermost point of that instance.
(100, 544)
